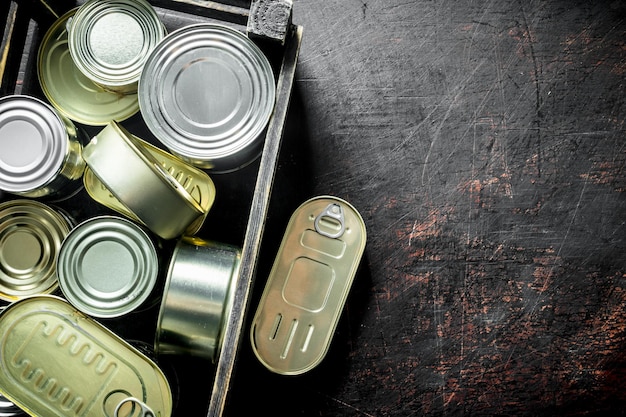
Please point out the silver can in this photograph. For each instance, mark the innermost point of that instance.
(197, 298)
(31, 235)
(40, 150)
(207, 93)
(109, 41)
(107, 266)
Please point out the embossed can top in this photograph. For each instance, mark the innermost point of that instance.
(48, 347)
(109, 40)
(207, 93)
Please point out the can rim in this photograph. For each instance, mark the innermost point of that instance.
(207, 142)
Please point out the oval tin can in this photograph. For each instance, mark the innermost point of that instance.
(197, 298)
(140, 183)
(308, 284)
(110, 40)
(57, 362)
(40, 150)
(207, 93)
(107, 266)
(69, 90)
(31, 235)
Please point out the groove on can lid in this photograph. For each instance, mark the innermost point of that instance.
(71, 92)
(31, 235)
(109, 40)
(107, 266)
(219, 125)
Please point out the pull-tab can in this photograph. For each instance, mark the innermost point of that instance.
(31, 235)
(109, 41)
(308, 285)
(40, 150)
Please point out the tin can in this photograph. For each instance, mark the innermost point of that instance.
(207, 93)
(56, 361)
(109, 41)
(143, 186)
(197, 298)
(31, 235)
(40, 150)
(107, 266)
(308, 285)
(69, 90)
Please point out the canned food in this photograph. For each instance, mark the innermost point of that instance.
(31, 235)
(308, 285)
(143, 186)
(109, 41)
(219, 125)
(40, 150)
(194, 181)
(107, 266)
(69, 90)
(197, 298)
(58, 362)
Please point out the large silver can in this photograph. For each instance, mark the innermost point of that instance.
(40, 150)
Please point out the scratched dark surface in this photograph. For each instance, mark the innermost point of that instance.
(484, 143)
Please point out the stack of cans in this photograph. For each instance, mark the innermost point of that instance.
(206, 93)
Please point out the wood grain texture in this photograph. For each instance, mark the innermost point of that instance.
(484, 143)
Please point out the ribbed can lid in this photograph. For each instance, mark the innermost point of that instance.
(31, 235)
(33, 143)
(107, 266)
(207, 92)
(110, 40)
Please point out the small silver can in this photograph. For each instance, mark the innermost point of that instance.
(31, 235)
(197, 298)
(107, 266)
(109, 41)
(40, 150)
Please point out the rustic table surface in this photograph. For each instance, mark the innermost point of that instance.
(484, 144)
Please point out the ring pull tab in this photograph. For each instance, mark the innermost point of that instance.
(330, 222)
(134, 408)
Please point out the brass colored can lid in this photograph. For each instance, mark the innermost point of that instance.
(218, 126)
(109, 40)
(31, 235)
(71, 92)
(33, 144)
(107, 266)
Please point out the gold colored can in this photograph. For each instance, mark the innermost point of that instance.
(31, 235)
(140, 183)
(109, 41)
(40, 150)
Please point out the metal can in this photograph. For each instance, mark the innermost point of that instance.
(56, 361)
(218, 126)
(308, 285)
(197, 298)
(107, 266)
(109, 41)
(31, 235)
(40, 150)
(69, 90)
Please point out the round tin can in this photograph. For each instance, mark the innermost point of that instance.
(31, 235)
(207, 93)
(40, 150)
(69, 90)
(107, 266)
(109, 41)
(197, 298)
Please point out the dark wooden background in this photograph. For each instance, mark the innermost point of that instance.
(484, 143)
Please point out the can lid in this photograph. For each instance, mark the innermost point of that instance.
(107, 266)
(69, 90)
(110, 40)
(31, 235)
(214, 125)
(33, 143)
